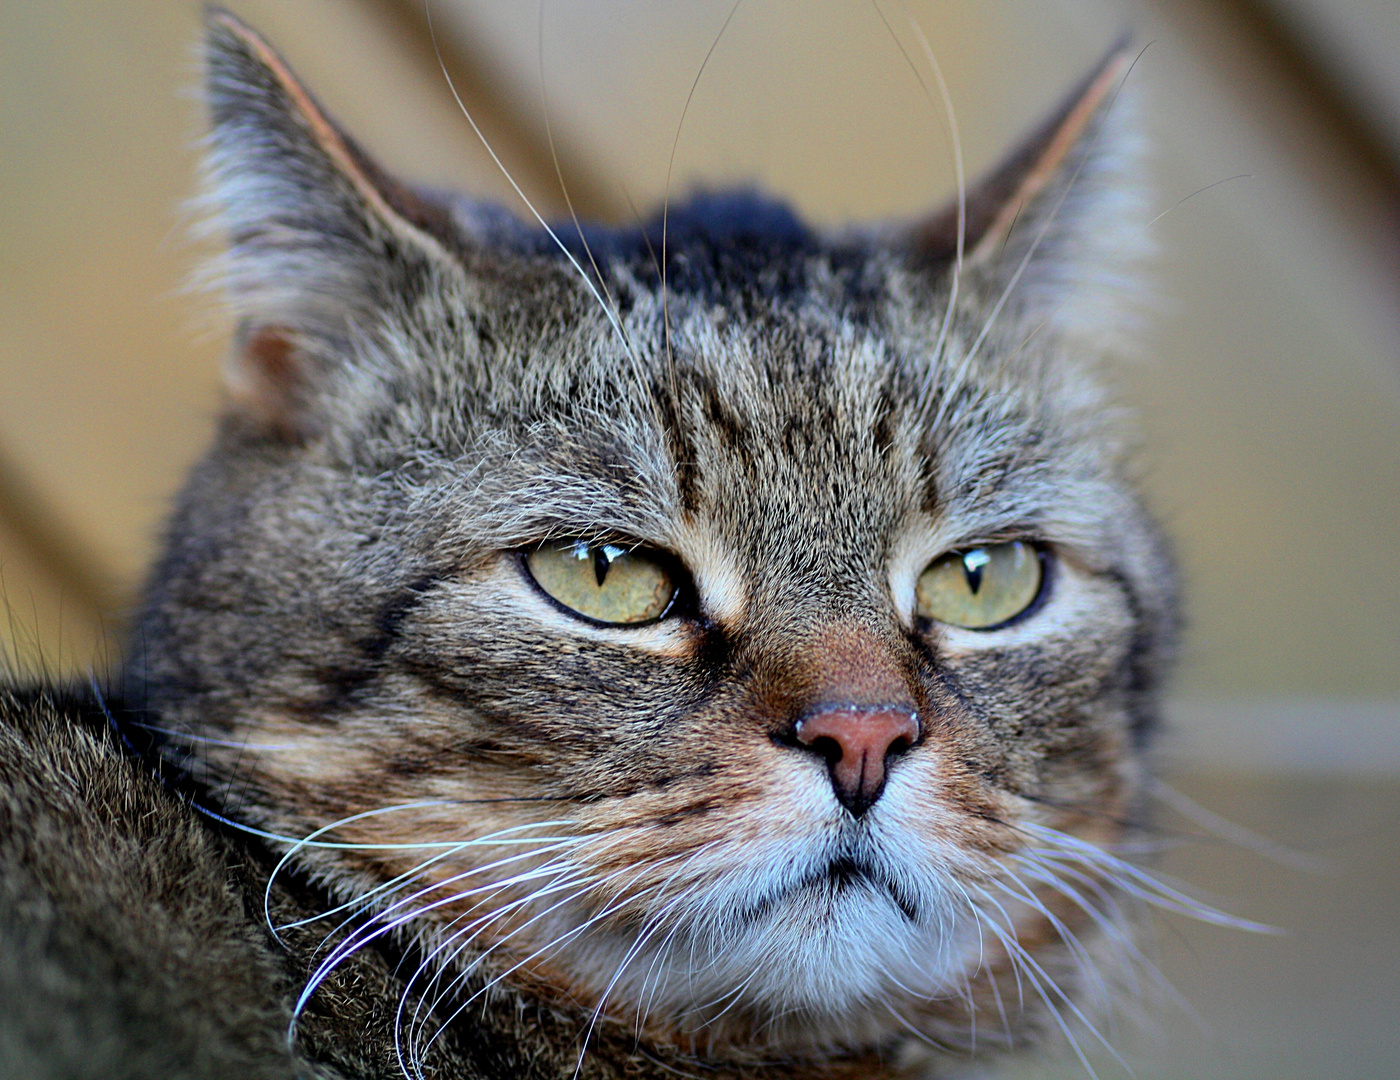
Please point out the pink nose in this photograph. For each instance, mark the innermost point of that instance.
(856, 740)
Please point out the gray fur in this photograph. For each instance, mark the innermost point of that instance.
(126, 948)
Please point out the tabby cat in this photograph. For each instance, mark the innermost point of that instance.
(715, 647)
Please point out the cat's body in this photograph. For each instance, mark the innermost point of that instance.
(720, 646)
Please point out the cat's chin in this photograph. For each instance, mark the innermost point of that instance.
(826, 961)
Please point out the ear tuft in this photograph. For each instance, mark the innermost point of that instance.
(321, 241)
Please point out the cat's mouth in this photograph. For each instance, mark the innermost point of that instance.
(840, 878)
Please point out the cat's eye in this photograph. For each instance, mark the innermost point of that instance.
(981, 588)
(603, 582)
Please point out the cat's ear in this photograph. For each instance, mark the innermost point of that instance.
(320, 240)
(1060, 218)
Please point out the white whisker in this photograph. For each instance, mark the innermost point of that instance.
(1040, 979)
(1228, 830)
(649, 927)
(962, 189)
(559, 173)
(607, 311)
(1135, 881)
(666, 191)
(360, 939)
(450, 847)
(424, 1009)
(1027, 896)
(568, 936)
(462, 940)
(363, 902)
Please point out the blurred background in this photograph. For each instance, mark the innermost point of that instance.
(1270, 396)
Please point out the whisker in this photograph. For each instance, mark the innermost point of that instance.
(459, 942)
(360, 939)
(956, 138)
(666, 191)
(1103, 920)
(649, 927)
(310, 840)
(559, 172)
(922, 1036)
(562, 875)
(437, 49)
(658, 968)
(1137, 882)
(732, 995)
(1011, 923)
(1236, 834)
(1049, 221)
(1122, 940)
(568, 936)
(383, 925)
(657, 960)
(363, 902)
(646, 239)
(1092, 274)
(589, 882)
(1080, 955)
(1040, 979)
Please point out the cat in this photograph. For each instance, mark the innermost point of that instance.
(716, 646)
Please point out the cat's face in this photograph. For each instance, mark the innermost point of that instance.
(752, 654)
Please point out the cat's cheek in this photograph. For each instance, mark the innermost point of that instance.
(934, 800)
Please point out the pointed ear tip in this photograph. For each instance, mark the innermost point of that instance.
(1122, 59)
(1071, 132)
(1100, 85)
(1123, 51)
(228, 37)
(242, 67)
(220, 21)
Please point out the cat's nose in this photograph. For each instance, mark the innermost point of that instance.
(857, 741)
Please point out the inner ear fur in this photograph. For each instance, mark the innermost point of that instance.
(267, 379)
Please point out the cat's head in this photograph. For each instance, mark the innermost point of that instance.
(732, 622)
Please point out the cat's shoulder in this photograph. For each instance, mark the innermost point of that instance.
(126, 944)
(133, 934)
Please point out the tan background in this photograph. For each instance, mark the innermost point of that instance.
(1271, 399)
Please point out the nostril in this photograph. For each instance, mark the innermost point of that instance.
(855, 742)
(826, 747)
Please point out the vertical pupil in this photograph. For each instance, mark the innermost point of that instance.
(973, 563)
(601, 562)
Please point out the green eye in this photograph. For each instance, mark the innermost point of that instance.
(603, 582)
(982, 587)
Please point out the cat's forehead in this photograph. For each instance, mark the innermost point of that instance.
(801, 436)
(795, 437)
